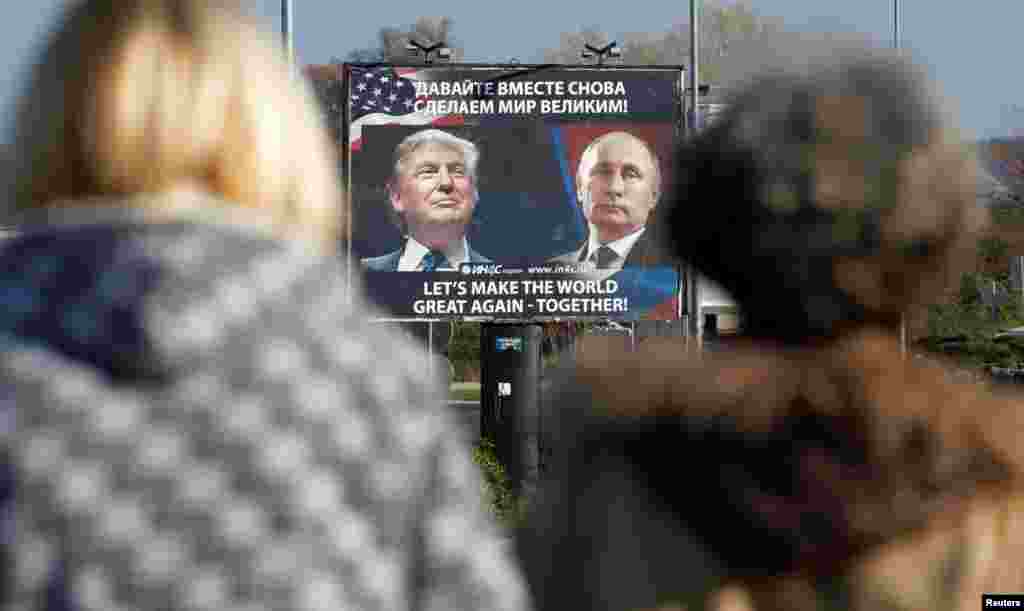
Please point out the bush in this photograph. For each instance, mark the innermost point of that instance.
(498, 495)
(1008, 215)
(970, 290)
(992, 249)
(966, 328)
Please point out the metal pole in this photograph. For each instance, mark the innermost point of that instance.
(1019, 271)
(694, 66)
(896, 47)
(693, 288)
(694, 318)
(896, 24)
(287, 30)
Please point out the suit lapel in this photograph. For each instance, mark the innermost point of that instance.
(581, 254)
(394, 258)
(638, 254)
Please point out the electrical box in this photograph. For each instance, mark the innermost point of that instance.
(510, 359)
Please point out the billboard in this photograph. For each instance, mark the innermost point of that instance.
(512, 192)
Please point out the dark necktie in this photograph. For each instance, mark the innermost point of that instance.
(435, 260)
(605, 257)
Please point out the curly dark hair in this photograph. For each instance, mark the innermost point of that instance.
(826, 197)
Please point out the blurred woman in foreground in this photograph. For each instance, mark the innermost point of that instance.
(197, 413)
(814, 467)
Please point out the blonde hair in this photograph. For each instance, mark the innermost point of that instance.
(470, 154)
(142, 96)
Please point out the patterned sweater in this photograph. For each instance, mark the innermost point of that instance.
(197, 417)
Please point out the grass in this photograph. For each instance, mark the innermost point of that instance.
(464, 391)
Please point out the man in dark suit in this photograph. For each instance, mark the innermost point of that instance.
(618, 183)
(432, 195)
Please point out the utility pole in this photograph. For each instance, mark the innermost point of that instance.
(896, 48)
(896, 24)
(693, 120)
(287, 29)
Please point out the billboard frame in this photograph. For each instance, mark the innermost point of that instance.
(509, 71)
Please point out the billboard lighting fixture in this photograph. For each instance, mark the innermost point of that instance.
(609, 50)
(415, 48)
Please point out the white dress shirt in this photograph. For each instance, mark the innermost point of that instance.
(456, 252)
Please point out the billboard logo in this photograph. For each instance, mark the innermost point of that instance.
(509, 343)
(481, 268)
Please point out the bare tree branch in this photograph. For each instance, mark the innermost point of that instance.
(392, 41)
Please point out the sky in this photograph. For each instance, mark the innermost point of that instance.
(967, 47)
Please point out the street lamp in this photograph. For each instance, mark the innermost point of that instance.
(414, 48)
(609, 50)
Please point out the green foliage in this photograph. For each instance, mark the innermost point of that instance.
(464, 349)
(992, 249)
(970, 290)
(1007, 215)
(966, 328)
(507, 508)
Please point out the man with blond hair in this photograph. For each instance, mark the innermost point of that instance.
(432, 194)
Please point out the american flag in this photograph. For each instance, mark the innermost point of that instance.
(384, 95)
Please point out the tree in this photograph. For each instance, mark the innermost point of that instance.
(391, 42)
(326, 84)
(364, 54)
(464, 350)
(572, 45)
(726, 32)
